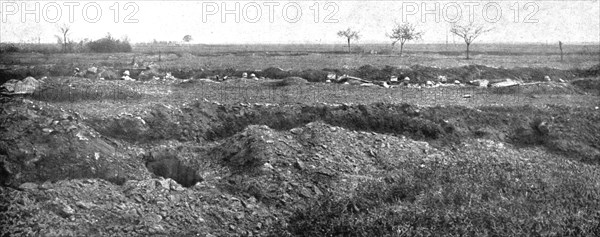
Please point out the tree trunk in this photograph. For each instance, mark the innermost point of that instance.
(65, 42)
(348, 45)
(468, 50)
(561, 51)
(401, 48)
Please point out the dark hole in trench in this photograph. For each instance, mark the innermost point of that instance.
(176, 170)
(4, 174)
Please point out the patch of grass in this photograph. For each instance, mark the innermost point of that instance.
(471, 198)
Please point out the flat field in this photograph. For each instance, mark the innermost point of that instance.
(301, 57)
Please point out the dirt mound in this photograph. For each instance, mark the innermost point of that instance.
(41, 142)
(290, 81)
(247, 150)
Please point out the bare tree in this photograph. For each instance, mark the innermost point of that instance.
(349, 34)
(64, 31)
(469, 32)
(403, 33)
(187, 38)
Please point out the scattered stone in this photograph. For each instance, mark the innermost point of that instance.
(29, 186)
(268, 166)
(296, 131)
(480, 82)
(305, 192)
(67, 210)
(176, 186)
(164, 183)
(84, 205)
(442, 79)
(92, 70)
(26, 86)
(299, 164)
(169, 76)
(505, 83)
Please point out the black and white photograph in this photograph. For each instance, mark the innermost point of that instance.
(299, 118)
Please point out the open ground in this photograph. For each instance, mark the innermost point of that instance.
(183, 153)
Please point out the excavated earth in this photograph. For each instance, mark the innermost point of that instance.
(205, 169)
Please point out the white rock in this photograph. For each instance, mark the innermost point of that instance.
(442, 79)
(93, 70)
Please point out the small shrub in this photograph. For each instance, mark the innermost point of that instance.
(9, 48)
(109, 45)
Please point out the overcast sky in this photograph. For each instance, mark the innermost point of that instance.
(214, 22)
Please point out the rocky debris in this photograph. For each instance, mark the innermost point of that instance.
(351, 80)
(480, 82)
(126, 76)
(442, 79)
(247, 150)
(92, 70)
(9, 86)
(169, 76)
(505, 83)
(16, 87)
(151, 73)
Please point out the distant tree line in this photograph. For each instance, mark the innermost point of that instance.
(402, 33)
